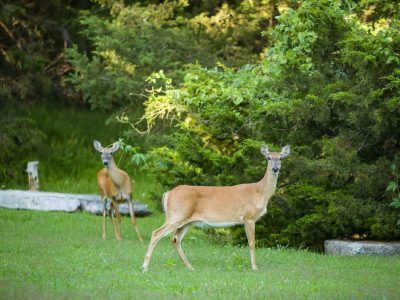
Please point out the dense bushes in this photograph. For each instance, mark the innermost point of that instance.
(328, 86)
(136, 40)
(32, 37)
(19, 138)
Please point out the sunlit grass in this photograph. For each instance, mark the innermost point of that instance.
(60, 255)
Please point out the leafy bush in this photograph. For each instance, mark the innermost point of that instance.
(128, 48)
(136, 40)
(19, 138)
(329, 86)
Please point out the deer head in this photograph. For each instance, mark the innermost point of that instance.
(274, 158)
(106, 153)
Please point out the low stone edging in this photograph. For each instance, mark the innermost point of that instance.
(347, 248)
(50, 201)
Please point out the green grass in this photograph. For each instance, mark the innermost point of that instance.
(59, 255)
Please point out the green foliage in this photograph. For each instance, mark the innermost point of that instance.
(327, 83)
(19, 140)
(61, 139)
(137, 40)
(136, 157)
(33, 35)
(327, 86)
(393, 186)
(128, 48)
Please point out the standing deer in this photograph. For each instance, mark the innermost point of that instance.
(114, 184)
(218, 206)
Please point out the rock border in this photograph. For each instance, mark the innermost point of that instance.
(349, 248)
(51, 201)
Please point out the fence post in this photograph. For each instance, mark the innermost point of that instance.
(33, 175)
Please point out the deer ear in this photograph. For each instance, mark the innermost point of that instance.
(114, 147)
(97, 146)
(264, 150)
(285, 151)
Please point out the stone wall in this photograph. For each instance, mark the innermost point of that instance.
(49, 201)
(338, 247)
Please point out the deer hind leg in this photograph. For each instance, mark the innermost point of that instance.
(249, 226)
(155, 237)
(176, 241)
(133, 221)
(112, 212)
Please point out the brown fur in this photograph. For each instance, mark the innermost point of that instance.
(218, 206)
(114, 184)
(109, 189)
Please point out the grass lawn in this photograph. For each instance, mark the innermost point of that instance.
(59, 255)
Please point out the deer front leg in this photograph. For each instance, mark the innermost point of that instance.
(104, 217)
(249, 226)
(133, 220)
(119, 220)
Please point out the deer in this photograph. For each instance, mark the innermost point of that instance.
(218, 206)
(114, 184)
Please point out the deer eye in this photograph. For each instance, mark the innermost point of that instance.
(269, 158)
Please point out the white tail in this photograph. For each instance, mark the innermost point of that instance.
(218, 206)
(114, 184)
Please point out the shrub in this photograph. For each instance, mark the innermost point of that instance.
(327, 86)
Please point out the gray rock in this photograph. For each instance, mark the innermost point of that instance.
(38, 201)
(338, 247)
(92, 204)
(47, 201)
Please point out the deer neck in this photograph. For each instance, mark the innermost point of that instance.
(114, 172)
(268, 184)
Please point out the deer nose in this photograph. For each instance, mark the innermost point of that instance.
(275, 170)
(105, 162)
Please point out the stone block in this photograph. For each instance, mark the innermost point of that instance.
(48, 201)
(339, 247)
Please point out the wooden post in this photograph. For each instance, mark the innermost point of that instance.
(33, 175)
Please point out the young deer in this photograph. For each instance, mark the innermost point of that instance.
(218, 206)
(114, 184)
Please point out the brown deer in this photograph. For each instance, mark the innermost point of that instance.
(114, 184)
(218, 206)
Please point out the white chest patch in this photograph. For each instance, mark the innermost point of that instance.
(263, 212)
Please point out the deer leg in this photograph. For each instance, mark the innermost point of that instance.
(119, 220)
(113, 221)
(155, 237)
(133, 221)
(104, 217)
(176, 241)
(249, 226)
